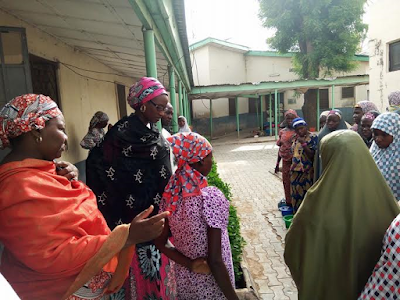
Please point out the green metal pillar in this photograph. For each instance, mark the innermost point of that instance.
(270, 114)
(180, 96)
(257, 119)
(184, 102)
(333, 96)
(150, 53)
(275, 114)
(150, 58)
(189, 114)
(279, 108)
(237, 117)
(318, 110)
(262, 112)
(172, 98)
(211, 120)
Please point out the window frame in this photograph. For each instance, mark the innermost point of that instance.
(393, 68)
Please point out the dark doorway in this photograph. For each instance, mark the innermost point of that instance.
(121, 100)
(232, 106)
(324, 99)
(44, 77)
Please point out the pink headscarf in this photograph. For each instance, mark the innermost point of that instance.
(188, 148)
(291, 112)
(23, 114)
(144, 90)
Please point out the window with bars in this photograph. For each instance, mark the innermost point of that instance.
(394, 56)
(347, 92)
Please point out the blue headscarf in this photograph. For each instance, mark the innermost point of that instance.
(298, 122)
(388, 159)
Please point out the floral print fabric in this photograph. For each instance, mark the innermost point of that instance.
(23, 114)
(188, 225)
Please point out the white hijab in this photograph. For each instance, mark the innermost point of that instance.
(184, 128)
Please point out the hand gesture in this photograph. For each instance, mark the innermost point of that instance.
(143, 229)
(301, 140)
(67, 170)
(199, 265)
(276, 169)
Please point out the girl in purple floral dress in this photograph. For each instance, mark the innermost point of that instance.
(198, 224)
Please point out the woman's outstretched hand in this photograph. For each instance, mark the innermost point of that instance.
(145, 229)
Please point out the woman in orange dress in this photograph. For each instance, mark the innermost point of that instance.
(57, 244)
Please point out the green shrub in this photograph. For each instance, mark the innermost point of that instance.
(236, 240)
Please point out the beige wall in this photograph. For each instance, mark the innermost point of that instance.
(200, 62)
(80, 97)
(383, 30)
(226, 66)
(264, 68)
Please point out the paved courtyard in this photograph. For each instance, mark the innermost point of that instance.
(247, 168)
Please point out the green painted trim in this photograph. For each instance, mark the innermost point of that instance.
(151, 20)
(268, 53)
(357, 57)
(275, 113)
(180, 96)
(261, 112)
(270, 114)
(172, 97)
(333, 96)
(245, 88)
(211, 120)
(237, 117)
(210, 40)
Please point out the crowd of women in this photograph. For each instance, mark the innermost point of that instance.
(146, 226)
(343, 185)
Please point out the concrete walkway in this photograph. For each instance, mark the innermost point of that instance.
(248, 168)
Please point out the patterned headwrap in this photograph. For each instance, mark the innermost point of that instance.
(325, 113)
(98, 118)
(188, 148)
(144, 90)
(394, 98)
(388, 159)
(291, 112)
(369, 116)
(336, 113)
(298, 122)
(366, 106)
(394, 102)
(23, 114)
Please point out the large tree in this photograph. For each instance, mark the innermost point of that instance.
(325, 34)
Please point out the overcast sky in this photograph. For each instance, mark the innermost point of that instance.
(235, 21)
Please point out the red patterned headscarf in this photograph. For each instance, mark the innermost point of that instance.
(188, 148)
(23, 114)
(144, 90)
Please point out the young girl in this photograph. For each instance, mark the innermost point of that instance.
(386, 149)
(285, 143)
(183, 124)
(198, 223)
(302, 170)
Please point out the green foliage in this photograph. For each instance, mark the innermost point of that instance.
(325, 33)
(236, 240)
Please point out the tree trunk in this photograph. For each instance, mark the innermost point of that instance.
(310, 108)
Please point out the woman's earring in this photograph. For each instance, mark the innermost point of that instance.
(39, 139)
(143, 108)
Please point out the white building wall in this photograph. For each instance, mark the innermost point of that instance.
(265, 68)
(201, 66)
(383, 30)
(226, 66)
